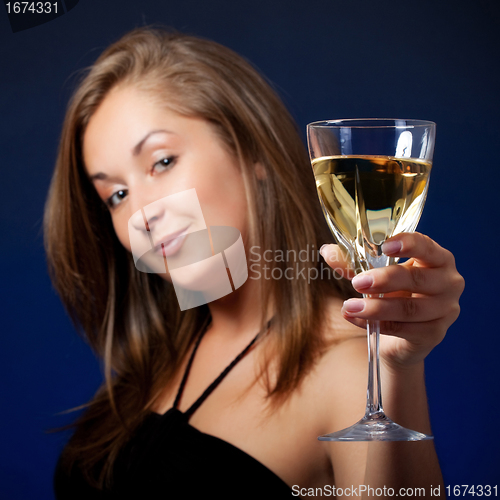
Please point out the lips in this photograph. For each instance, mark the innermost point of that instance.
(170, 244)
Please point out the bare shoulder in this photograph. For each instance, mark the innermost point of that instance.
(340, 373)
(336, 329)
(332, 397)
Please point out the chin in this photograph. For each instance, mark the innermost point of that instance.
(201, 282)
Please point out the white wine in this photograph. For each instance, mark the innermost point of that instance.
(367, 199)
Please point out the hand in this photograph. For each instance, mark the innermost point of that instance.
(420, 297)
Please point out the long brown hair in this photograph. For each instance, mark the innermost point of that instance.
(131, 319)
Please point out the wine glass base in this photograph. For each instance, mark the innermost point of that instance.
(379, 428)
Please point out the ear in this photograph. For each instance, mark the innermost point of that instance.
(260, 171)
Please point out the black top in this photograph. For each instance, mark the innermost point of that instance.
(167, 458)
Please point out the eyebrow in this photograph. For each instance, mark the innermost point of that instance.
(137, 148)
(136, 151)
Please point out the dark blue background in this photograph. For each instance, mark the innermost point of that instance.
(427, 59)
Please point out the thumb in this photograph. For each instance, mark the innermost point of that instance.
(338, 260)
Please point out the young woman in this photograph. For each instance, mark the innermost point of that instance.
(228, 397)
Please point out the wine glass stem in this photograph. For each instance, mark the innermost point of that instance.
(373, 393)
(374, 407)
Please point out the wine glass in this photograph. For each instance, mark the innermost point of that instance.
(372, 178)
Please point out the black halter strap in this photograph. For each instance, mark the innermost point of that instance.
(218, 380)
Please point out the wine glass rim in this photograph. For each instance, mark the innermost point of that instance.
(372, 123)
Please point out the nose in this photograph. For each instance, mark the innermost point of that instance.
(146, 217)
(154, 213)
(138, 222)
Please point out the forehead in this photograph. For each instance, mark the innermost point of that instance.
(125, 117)
(121, 117)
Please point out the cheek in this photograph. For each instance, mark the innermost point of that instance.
(236, 206)
(222, 199)
(121, 231)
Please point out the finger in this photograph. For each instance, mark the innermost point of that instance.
(404, 278)
(337, 260)
(424, 250)
(412, 310)
(427, 332)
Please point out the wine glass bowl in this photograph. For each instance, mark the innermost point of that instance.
(372, 178)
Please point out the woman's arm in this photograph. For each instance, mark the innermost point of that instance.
(420, 302)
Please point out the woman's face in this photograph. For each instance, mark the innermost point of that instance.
(163, 176)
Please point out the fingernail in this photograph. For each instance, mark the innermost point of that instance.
(325, 252)
(392, 247)
(353, 306)
(362, 281)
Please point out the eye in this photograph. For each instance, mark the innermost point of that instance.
(164, 164)
(116, 198)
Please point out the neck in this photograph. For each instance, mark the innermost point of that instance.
(240, 312)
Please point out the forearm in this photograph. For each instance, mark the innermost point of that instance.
(405, 464)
